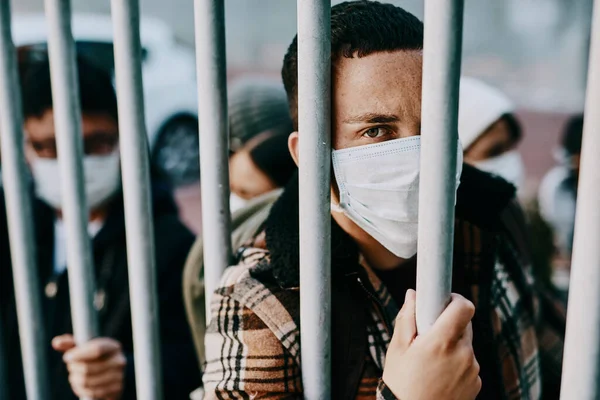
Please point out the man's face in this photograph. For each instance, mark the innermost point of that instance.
(376, 98)
(100, 135)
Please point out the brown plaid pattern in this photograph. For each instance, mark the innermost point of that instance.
(253, 341)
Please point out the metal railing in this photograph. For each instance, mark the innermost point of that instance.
(314, 124)
(581, 365)
(135, 170)
(20, 219)
(214, 133)
(439, 142)
(69, 144)
(442, 53)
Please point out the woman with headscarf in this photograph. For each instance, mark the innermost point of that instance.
(259, 165)
(489, 131)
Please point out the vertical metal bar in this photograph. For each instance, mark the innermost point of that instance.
(3, 373)
(581, 365)
(69, 141)
(20, 217)
(314, 103)
(439, 140)
(213, 124)
(136, 191)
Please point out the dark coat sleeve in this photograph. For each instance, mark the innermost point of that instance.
(181, 374)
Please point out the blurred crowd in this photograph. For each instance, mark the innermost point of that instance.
(250, 349)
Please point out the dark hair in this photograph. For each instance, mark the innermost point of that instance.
(96, 91)
(358, 28)
(514, 126)
(572, 135)
(271, 156)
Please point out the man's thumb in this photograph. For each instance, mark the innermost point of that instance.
(63, 343)
(405, 329)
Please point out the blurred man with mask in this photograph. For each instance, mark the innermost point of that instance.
(495, 352)
(103, 367)
(489, 131)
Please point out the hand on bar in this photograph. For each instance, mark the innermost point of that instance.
(96, 368)
(439, 364)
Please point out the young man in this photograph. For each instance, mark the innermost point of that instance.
(103, 368)
(253, 341)
(489, 130)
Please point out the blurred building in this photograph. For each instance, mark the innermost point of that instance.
(534, 50)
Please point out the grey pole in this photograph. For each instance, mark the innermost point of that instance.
(69, 141)
(581, 365)
(314, 104)
(439, 140)
(20, 217)
(214, 153)
(3, 373)
(135, 170)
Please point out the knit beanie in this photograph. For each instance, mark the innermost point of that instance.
(257, 105)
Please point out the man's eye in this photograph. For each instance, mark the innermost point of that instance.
(376, 132)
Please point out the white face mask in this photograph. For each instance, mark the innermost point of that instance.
(379, 190)
(236, 203)
(508, 165)
(102, 179)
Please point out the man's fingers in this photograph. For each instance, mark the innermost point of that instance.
(63, 343)
(106, 392)
(94, 350)
(467, 336)
(96, 382)
(405, 329)
(92, 368)
(454, 320)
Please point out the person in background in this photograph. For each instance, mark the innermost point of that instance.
(489, 131)
(258, 114)
(102, 368)
(260, 165)
(264, 164)
(557, 197)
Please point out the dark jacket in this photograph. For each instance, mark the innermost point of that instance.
(172, 244)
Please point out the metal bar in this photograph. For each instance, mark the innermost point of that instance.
(3, 370)
(20, 218)
(314, 85)
(69, 141)
(135, 169)
(581, 365)
(214, 156)
(439, 141)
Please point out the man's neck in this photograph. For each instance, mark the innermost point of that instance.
(375, 254)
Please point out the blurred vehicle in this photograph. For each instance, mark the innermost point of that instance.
(170, 94)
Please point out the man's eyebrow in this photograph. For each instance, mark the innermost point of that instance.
(372, 118)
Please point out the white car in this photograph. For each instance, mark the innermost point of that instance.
(169, 78)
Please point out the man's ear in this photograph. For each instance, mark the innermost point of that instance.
(293, 146)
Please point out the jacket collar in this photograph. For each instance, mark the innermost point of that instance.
(114, 226)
